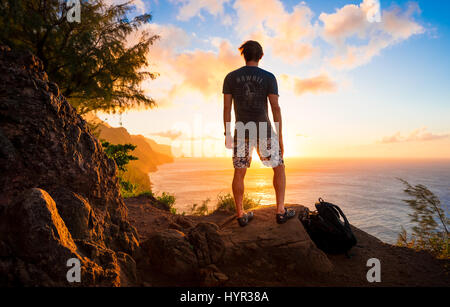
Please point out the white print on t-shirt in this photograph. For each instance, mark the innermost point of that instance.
(249, 78)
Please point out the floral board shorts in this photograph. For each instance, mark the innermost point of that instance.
(268, 150)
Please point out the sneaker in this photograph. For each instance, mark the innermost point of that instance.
(288, 214)
(243, 221)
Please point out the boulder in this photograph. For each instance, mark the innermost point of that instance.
(208, 245)
(45, 144)
(39, 246)
(183, 222)
(169, 253)
(267, 250)
(78, 216)
(211, 276)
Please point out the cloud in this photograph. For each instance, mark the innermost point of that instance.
(418, 135)
(192, 8)
(358, 22)
(345, 22)
(187, 72)
(287, 35)
(205, 70)
(319, 84)
(189, 75)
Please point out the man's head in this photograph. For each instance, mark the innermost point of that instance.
(252, 51)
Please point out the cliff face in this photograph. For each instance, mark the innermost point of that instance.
(149, 153)
(60, 195)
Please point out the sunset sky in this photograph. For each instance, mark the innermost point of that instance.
(354, 80)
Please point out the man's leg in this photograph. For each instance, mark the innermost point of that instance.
(279, 183)
(238, 189)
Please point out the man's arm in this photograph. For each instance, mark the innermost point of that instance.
(276, 112)
(227, 102)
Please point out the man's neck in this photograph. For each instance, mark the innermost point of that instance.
(251, 63)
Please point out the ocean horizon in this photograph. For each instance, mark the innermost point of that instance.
(367, 190)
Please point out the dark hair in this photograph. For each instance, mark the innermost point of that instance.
(251, 50)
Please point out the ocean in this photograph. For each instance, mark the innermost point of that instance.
(367, 190)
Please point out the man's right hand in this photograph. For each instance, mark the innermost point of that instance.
(228, 141)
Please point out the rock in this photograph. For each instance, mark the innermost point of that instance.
(183, 222)
(169, 253)
(78, 216)
(211, 276)
(39, 246)
(45, 144)
(263, 243)
(175, 226)
(208, 245)
(162, 220)
(33, 226)
(48, 145)
(127, 269)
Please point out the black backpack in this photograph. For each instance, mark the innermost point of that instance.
(326, 229)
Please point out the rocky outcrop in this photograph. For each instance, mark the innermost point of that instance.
(170, 254)
(37, 246)
(213, 250)
(208, 245)
(271, 250)
(60, 193)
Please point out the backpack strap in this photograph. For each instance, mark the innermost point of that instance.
(336, 209)
(342, 214)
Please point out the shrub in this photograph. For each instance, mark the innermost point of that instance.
(135, 192)
(427, 213)
(226, 203)
(127, 189)
(120, 153)
(202, 209)
(168, 200)
(145, 193)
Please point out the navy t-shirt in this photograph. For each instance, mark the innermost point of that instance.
(250, 86)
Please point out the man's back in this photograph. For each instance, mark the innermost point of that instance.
(250, 86)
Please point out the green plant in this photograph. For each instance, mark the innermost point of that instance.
(134, 192)
(145, 193)
(427, 213)
(168, 200)
(225, 202)
(119, 153)
(127, 188)
(202, 209)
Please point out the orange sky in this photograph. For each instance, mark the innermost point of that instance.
(349, 84)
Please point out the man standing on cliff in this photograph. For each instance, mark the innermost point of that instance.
(250, 87)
